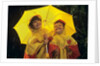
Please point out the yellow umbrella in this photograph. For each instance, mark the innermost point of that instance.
(49, 15)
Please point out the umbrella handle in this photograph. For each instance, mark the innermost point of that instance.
(46, 48)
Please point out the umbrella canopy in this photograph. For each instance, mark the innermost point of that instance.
(49, 15)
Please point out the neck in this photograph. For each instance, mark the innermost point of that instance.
(35, 30)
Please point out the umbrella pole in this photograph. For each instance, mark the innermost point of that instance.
(47, 54)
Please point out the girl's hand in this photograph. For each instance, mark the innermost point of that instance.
(36, 40)
(45, 36)
(56, 54)
(45, 39)
(64, 46)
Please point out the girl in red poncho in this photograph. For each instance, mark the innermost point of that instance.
(62, 46)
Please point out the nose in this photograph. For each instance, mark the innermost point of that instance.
(39, 23)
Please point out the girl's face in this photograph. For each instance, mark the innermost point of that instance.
(58, 27)
(37, 24)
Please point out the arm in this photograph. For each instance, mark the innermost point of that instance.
(53, 51)
(33, 46)
(73, 47)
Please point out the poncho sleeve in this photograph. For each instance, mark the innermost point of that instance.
(53, 47)
(32, 48)
(73, 46)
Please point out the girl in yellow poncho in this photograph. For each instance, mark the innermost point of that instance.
(36, 47)
(62, 46)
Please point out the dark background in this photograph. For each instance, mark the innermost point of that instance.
(80, 16)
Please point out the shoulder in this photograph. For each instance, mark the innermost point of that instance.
(71, 40)
(43, 29)
(70, 37)
(31, 39)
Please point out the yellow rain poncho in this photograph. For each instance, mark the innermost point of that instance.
(36, 49)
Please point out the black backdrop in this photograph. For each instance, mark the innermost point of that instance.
(80, 16)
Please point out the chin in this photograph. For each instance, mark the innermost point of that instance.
(58, 32)
(38, 27)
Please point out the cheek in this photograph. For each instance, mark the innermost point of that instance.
(62, 27)
(34, 25)
(55, 28)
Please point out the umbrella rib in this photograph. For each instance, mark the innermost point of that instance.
(70, 27)
(47, 12)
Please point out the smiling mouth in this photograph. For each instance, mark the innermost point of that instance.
(58, 28)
